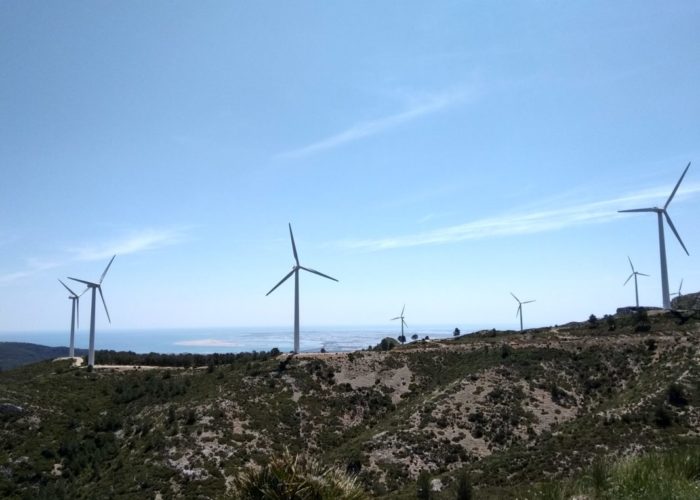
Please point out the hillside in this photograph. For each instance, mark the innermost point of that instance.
(14, 354)
(511, 409)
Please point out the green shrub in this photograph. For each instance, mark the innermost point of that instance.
(676, 395)
(296, 478)
(464, 487)
(423, 489)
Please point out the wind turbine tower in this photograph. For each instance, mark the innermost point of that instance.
(295, 272)
(75, 316)
(634, 274)
(662, 213)
(520, 309)
(94, 287)
(403, 323)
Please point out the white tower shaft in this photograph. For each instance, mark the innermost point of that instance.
(91, 350)
(296, 311)
(71, 349)
(665, 299)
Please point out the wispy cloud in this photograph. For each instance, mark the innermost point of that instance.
(526, 223)
(32, 266)
(135, 242)
(415, 110)
(141, 241)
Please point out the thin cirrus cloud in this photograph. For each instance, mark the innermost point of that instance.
(526, 223)
(141, 241)
(419, 108)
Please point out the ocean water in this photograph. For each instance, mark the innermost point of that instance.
(236, 339)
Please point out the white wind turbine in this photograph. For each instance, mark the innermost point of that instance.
(403, 323)
(661, 213)
(520, 309)
(94, 287)
(75, 316)
(634, 275)
(678, 293)
(295, 272)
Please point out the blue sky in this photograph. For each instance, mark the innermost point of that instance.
(436, 154)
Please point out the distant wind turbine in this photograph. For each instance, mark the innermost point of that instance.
(520, 309)
(94, 287)
(678, 293)
(295, 272)
(75, 316)
(403, 323)
(661, 213)
(634, 275)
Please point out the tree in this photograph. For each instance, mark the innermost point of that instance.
(402, 339)
(456, 333)
(464, 487)
(414, 336)
(610, 320)
(423, 489)
(642, 321)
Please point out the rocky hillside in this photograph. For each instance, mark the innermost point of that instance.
(689, 301)
(511, 409)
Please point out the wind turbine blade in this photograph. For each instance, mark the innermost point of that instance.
(88, 283)
(83, 292)
(516, 298)
(403, 309)
(104, 304)
(66, 287)
(397, 317)
(642, 274)
(294, 247)
(680, 287)
(638, 210)
(404, 323)
(627, 280)
(107, 268)
(668, 202)
(282, 281)
(316, 272)
(673, 228)
(628, 258)
(529, 302)
(518, 311)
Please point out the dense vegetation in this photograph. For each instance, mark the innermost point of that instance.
(14, 354)
(487, 415)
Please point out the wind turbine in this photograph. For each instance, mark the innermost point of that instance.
(403, 323)
(679, 290)
(75, 316)
(519, 312)
(634, 274)
(661, 213)
(94, 287)
(295, 272)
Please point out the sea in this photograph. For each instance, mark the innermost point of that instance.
(235, 339)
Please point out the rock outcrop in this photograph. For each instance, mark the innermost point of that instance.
(689, 301)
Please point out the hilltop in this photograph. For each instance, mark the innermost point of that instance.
(511, 409)
(14, 354)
